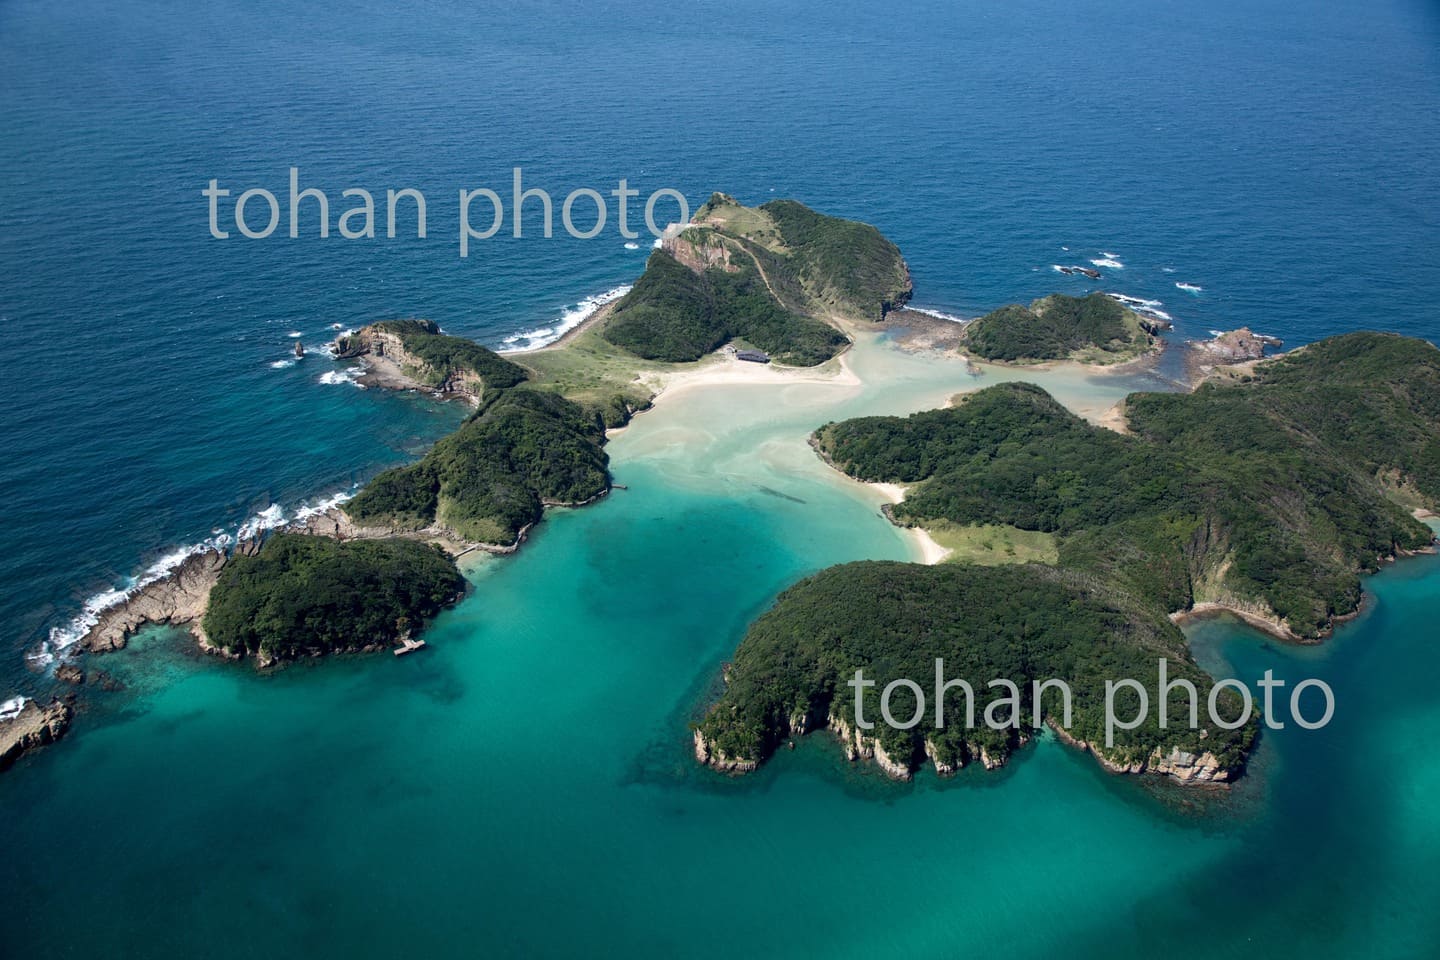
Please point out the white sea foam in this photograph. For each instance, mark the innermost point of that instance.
(282, 364)
(348, 375)
(1217, 333)
(62, 638)
(333, 346)
(937, 314)
(337, 326)
(312, 508)
(273, 517)
(1108, 262)
(1189, 287)
(567, 321)
(1141, 305)
(294, 334)
(1135, 302)
(268, 519)
(632, 245)
(1167, 269)
(11, 708)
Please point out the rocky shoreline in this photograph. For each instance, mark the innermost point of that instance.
(390, 366)
(32, 727)
(1235, 348)
(1179, 765)
(177, 599)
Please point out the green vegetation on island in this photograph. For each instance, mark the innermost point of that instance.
(845, 263)
(770, 276)
(1270, 495)
(1020, 623)
(520, 450)
(1273, 494)
(1094, 328)
(436, 359)
(304, 595)
(677, 315)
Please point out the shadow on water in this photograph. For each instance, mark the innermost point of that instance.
(776, 493)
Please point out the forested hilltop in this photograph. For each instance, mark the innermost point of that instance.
(519, 451)
(771, 276)
(1020, 623)
(300, 595)
(1093, 329)
(1270, 495)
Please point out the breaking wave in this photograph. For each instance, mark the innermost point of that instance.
(567, 321)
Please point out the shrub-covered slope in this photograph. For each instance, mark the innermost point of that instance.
(1021, 623)
(768, 276)
(1094, 328)
(486, 481)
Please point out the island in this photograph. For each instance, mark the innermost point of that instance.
(1267, 494)
(370, 573)
(1092, 329)
(1267, 491)
(303, 595)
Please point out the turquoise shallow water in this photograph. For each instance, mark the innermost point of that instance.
(524, 787)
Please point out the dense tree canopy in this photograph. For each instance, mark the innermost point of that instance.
(520, 450)
(1057, 327)
(1273, 492)
(303, 595)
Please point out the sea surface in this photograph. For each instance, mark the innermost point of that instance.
(523, 788)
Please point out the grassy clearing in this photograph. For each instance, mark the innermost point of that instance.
(594, 372)
(990, 544)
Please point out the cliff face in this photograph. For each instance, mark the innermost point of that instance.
(1181, 765)
(34, 726)
(392, 365)
(708, 754)
(858, 746)
(699, 250)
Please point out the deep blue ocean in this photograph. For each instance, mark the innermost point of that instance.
(1280, 157)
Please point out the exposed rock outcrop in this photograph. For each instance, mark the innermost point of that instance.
(336, 523)
(34, 726)
(1235, 346)
(390, 365)
(699, 250)
(711, 756)
(1181, 765)
(178, 599)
